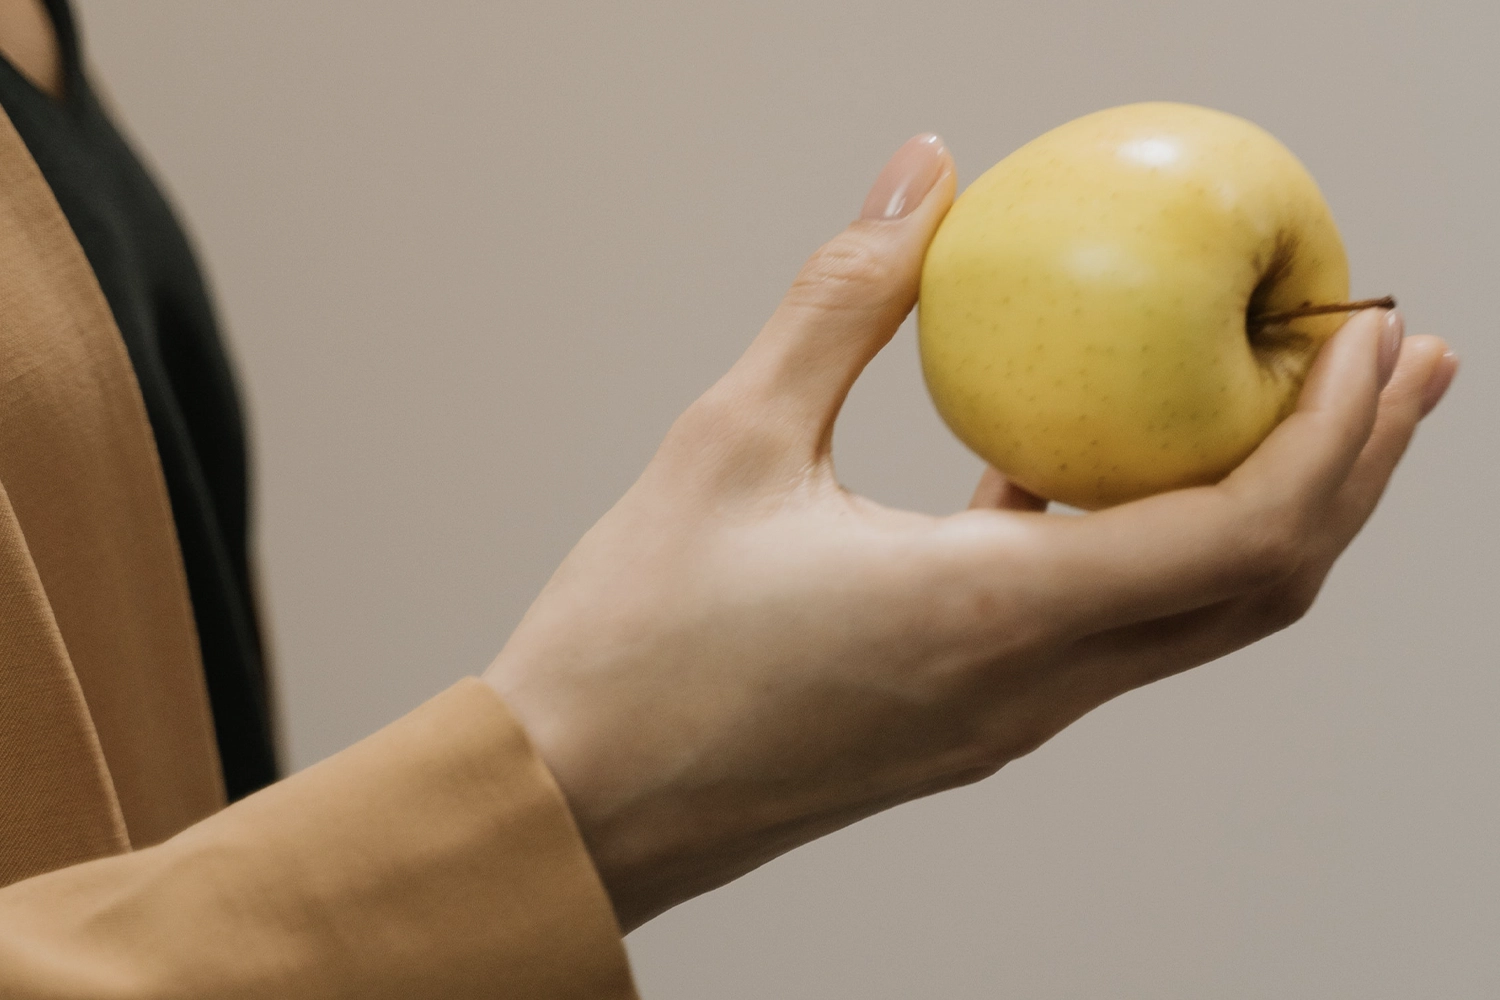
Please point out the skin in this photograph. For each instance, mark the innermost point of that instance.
(28, 41)
(1083, 316)
(742, 656)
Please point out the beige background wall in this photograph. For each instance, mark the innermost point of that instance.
(475, 256)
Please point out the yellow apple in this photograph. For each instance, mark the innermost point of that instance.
(1089, 311)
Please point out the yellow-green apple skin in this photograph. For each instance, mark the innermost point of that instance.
(1083, 308)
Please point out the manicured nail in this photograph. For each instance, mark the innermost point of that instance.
(906, 179)
(1439, 381)
(1390, 344)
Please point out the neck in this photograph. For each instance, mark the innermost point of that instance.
(29, 41)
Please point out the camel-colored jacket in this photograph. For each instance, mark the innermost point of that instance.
(434, 859)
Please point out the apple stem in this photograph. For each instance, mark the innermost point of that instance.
(1266, 319)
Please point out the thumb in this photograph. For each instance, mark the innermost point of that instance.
(852, 294)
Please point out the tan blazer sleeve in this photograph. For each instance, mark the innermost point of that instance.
(434, 859)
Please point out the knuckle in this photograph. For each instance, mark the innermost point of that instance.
(1285, 606)
(1025, 739)
(1007, 739)
(1275, 549)
(981, 751)
(983, 760)
(848, 272)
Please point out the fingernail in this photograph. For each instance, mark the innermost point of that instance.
(1390, 344)
(1439, 381)
(906, 179)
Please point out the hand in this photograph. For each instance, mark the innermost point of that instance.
(742, 656)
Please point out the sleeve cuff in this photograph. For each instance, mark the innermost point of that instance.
(434, 859)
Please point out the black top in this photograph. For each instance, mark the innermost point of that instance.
(146, 269)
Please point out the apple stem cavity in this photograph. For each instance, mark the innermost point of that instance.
(1272, 319)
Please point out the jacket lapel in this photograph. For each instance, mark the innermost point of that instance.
(57, 805)
(88, 556)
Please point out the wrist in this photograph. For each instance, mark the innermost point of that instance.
(555, 738)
